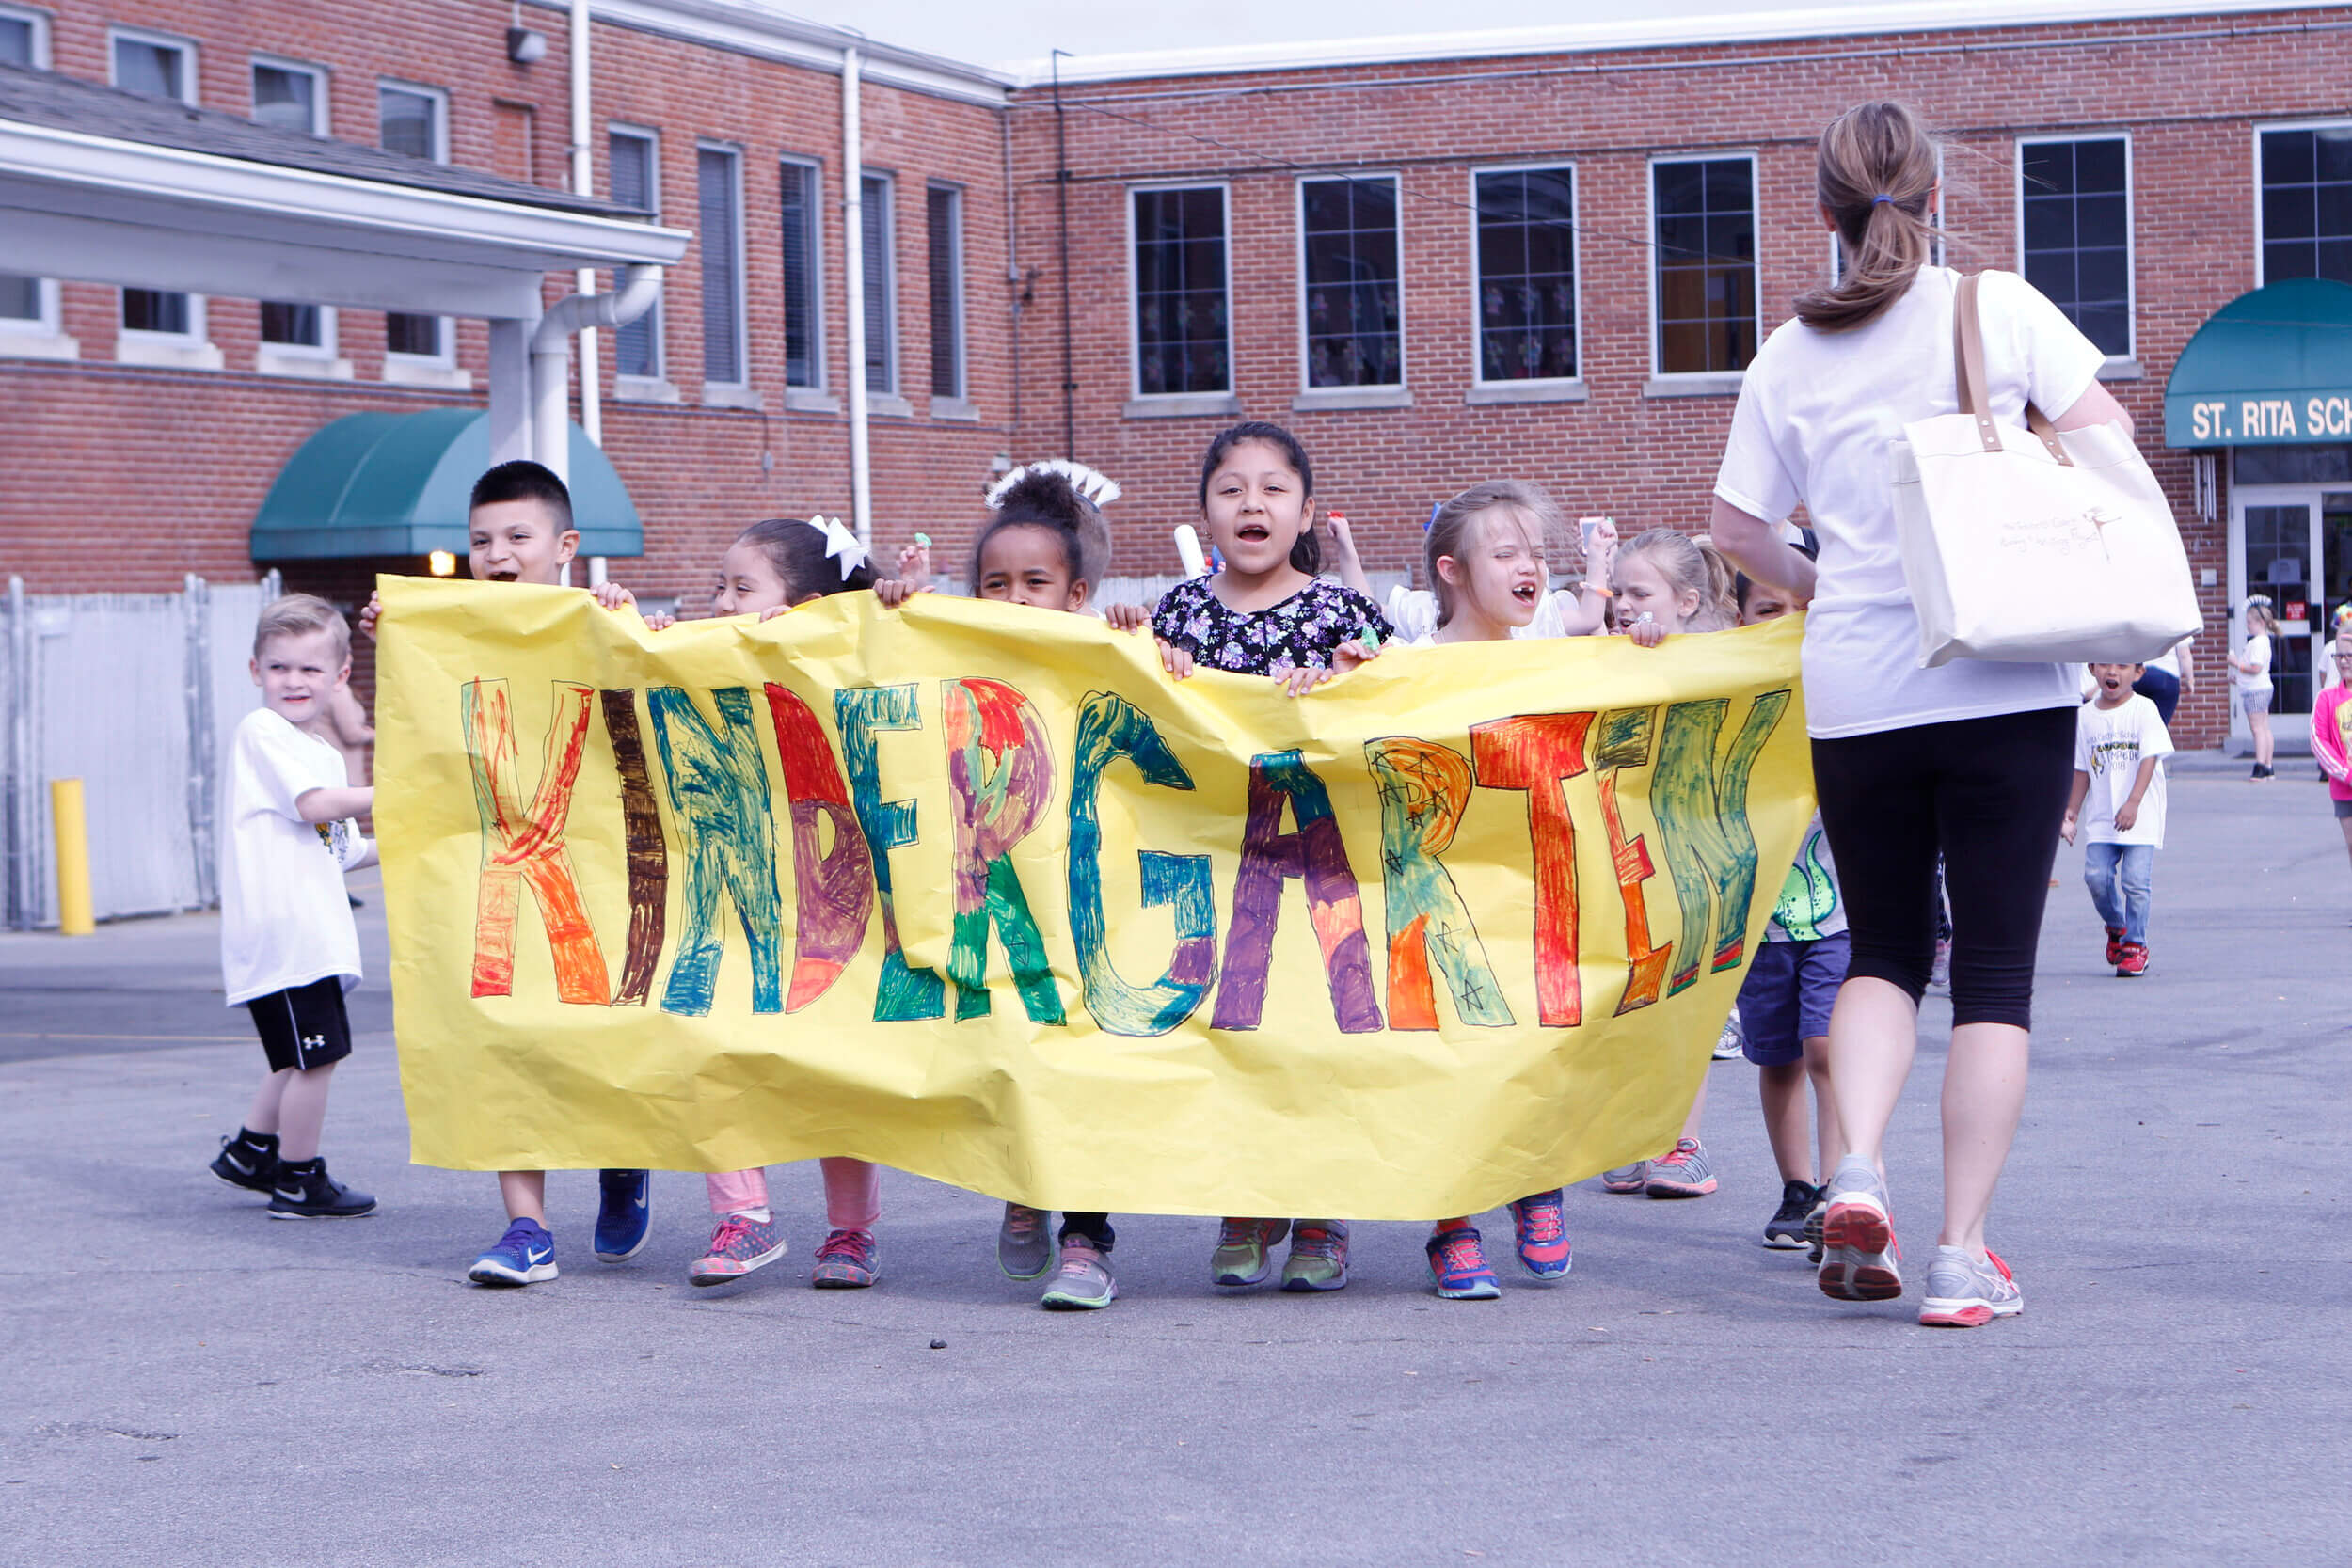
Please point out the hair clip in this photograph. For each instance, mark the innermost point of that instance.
(840, 544)
(1099, 488)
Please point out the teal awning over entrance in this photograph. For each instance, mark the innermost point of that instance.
(370, 485)
(2270, 367)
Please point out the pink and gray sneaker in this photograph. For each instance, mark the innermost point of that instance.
(846, 1260)
(738, 1246)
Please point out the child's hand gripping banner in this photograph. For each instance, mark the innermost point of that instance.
(979, 892)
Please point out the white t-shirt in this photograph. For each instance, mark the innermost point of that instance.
(285, 920)
(1818, 414)
(2257, 652)
(2109, 746)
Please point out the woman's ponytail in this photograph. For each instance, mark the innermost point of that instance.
(1875, 174)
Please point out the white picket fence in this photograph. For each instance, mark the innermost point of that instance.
(136, 695)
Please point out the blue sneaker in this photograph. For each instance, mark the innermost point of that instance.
(1458, 1263)
(624, 1218)
(1540, 1230)
(524, 1256)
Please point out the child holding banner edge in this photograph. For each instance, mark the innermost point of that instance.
(518, 528)
(1266, 613)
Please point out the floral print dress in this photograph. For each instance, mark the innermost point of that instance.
(1300, 633)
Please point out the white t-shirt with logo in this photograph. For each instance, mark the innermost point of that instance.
(2109, 746)
(285, 920)
(1818, 414)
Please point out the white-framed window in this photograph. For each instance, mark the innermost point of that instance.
(719, 182)
(633, 165)
(943, 215)
(800, 185)
(1351, 289)
(28, 305)
(2303, 201)
(155, 323)
(1524, 256)
(413, 119)
(1181, 279)
(2074, 230)
(289, 95)
(1704, 282)
(24, 37)
(879, 231)
(295, 336)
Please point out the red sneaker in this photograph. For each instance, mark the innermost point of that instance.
(2115, 944)
(2131, 960)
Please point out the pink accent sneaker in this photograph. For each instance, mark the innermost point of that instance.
(737, 1248)
(846, 1261)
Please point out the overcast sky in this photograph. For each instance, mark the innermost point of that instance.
(1009, 32)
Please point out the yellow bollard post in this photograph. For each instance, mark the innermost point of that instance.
(71, 827)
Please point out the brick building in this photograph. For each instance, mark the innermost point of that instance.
(1545, 255)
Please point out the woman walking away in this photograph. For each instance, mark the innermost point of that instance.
(1972, 759)
(2250, 674)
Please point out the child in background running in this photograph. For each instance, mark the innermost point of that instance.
(2332, 728)
(1785, 1001)
(2120, 748)
(1484, 553)
(1669, 583)
(518, 528)
(1266, 613)
(1040, 551)
(772, 567)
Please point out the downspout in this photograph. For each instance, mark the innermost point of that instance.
(584, 182)
(1013, 257)
(853, 277)
(1061, 205)
(552, 353)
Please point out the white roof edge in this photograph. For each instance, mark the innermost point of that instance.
(1757, 27)
(763, 31)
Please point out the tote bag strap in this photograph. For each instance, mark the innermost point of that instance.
(1968, 362)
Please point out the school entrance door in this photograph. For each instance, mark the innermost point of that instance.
(2289, 538)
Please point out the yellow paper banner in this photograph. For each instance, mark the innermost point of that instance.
(979, 892)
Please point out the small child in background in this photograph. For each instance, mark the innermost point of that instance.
(288, 947)
(1668, 584)
(772, 567)
(1485, 552)
(1266, 613)
(2331, 727)
(1558, 612)
(2120, 748)
(2250, 675)
(1785, 998)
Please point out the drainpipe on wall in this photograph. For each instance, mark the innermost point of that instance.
(853, 275)
(552, 353)
(584, 182)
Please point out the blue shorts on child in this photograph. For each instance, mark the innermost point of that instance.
(1787, 997)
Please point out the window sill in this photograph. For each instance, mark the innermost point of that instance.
(36, 344)
(956, 408)
(404, 370)
(810, 400)
(276, 359)
(1183, 405)
(644, 388)
(729, 394)
(2122, 370)
(888, 406)
(1335, 399)
(179, 353)
(1699, 384)
(1557, 390)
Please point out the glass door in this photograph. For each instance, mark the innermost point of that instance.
(2280, 543)
(2335, 556)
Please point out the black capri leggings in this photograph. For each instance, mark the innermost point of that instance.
(1987, 792)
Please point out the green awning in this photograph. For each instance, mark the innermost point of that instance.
(2270, 367)
(376, 484)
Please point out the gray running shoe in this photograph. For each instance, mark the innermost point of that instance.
(1727, 1043)
(1084, 1281)
(1318, 1260)
(1860, 1260)
(1685, 1173)
(1626, 1179)
(1024, 1248)
(1964, 1294)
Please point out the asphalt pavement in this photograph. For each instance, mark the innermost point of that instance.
(182, 1381)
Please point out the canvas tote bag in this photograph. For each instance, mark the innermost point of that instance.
(2035, 545)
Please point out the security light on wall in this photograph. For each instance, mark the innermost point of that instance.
(440, 564)
(526, 44)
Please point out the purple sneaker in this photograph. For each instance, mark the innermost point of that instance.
(1541, 1232)
(845, 1261)
(1457, 1262)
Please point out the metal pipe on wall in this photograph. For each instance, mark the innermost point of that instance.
(1061, 204)
(853, 277)
(583, 182)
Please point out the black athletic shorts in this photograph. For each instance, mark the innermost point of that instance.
(304, 1026)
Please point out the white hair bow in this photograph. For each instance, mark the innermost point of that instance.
(840, 544)
(1099, 488)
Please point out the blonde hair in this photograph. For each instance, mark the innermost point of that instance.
(1450, 526)
(1690, 566)
(2259, 608)
(298, 615)
(1875, 173)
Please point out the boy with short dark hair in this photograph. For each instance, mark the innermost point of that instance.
(288, 947)
(2119, 747)
(519, 530)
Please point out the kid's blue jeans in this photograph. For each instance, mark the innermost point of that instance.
(2118, 876)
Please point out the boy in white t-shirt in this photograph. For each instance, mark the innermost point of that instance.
(2120, 748)
(288, 947)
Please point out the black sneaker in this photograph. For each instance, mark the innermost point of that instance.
(1813, 1225)
(241, 1164)
(1785, 1230)
(304, 1191)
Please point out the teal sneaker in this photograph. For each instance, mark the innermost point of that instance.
(1318, 1260)
(1083, 1282)
(1242, 1256)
